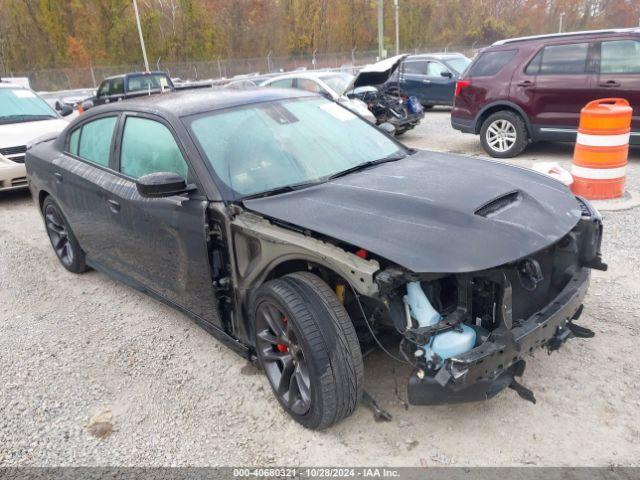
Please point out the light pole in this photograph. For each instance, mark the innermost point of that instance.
(144, 50)
(396, 6)
(380, 29)
(562, 14)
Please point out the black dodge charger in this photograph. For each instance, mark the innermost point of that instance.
(300, 236)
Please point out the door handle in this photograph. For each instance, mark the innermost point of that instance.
(426, 81)
(113, 206)
(526, 83)
(609, 84)
(58, 176)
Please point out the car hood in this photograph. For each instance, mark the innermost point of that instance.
(434, 212)
(18, 134)
(376, 73)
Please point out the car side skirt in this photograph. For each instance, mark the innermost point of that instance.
(554, 133)
(234, 344)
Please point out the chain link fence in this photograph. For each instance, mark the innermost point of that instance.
(90, 77)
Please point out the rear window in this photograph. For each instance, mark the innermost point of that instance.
(620, 56)
(490, 63)
(568, 59)
(419, 67)
(147, 81)
(92, 141)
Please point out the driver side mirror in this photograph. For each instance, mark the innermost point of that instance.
(64, 109)
(161, 184)
(446, 74)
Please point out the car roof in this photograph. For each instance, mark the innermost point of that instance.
(190, 102)
(560, 36)
(307, 74)
(437, 56)
(123, 75)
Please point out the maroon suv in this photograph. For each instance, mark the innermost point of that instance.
(532, 88)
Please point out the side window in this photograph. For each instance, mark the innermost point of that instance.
(284, 83)
(149, 147)
(94, 143)
(435, 69)
(309, 86)
(103, 91)
(620, 56)
(74, 139)
(490, 63)
(416, 67)
(564, 59)
(117, 86)
(534, 65)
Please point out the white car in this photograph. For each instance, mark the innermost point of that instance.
(330, 84)
(24, 117)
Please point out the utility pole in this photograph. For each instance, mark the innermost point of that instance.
(562, 14)
(380, 29)
(144, 50)
(396, 6)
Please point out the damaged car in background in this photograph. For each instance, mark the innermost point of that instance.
(301, 236)
(386, 101)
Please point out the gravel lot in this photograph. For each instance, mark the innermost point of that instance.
(73, 347)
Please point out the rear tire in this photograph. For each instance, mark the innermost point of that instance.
(304, 336)
(504, 134)
(63, 241)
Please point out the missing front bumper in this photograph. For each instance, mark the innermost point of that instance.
(488, 369)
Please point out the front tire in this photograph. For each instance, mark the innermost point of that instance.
(504, 134)
(308, 348)
(64, 243)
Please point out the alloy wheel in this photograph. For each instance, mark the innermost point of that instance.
(282, 358)
(501, 135)
(58, 234)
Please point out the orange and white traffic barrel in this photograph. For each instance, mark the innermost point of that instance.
(600, 157)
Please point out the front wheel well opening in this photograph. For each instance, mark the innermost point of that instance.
(495, 109)
(41, 196)
(358, 307)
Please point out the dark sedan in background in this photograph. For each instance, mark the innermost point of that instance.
(431, 78)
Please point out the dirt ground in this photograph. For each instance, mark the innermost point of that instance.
(167, 393)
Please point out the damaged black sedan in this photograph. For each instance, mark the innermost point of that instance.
(300, 236)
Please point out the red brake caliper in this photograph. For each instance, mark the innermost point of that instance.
(281, 347)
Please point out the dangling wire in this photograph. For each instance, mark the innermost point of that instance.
(366, 321)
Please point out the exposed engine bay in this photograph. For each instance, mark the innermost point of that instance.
(466, 335)
(388, 105)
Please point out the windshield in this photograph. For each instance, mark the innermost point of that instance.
(267, 146)
(458, 64)
(22, 105)
(153, 81)
(338, 82)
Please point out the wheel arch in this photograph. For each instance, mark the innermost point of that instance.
(42, 194)
(497, 107)
(299, 263)
(285, 266)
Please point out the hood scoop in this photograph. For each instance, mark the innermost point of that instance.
(499, 204)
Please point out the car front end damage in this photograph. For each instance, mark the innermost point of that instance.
(504, 314)
(465, 282)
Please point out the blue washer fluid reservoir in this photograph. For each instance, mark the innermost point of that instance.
(452, 342)
(445, 344)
